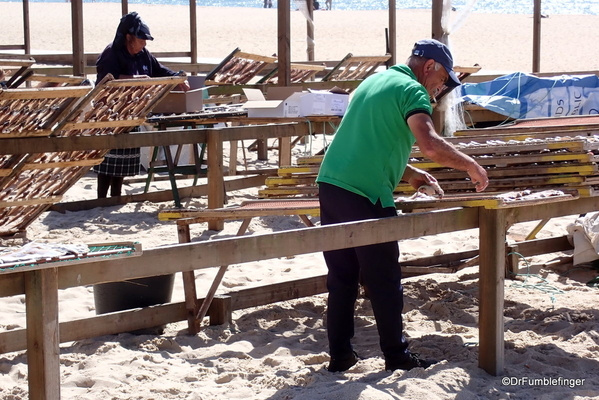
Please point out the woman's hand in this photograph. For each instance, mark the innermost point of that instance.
(184, 86)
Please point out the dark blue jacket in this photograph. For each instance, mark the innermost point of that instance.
(118, 61)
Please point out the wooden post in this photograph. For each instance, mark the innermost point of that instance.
(437, 29)
(392, 34)
(310, 30)
(43, 351)
(492, 232)
(439, 34)
(284, 66)
(221, 310)
(284, 151)
(536, 37)
(216, 184)
(77, 31)
(512, 261)
(193, 31)
(262, 149)
(124, 7)
(233, 157)
(189, 286)
(26, 27)
(283, 42)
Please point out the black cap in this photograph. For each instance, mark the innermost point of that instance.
(133, 25)
(435, 50)
(143, 32)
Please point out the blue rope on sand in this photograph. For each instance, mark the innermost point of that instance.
(543, 286)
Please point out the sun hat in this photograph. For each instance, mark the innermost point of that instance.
(435, 50)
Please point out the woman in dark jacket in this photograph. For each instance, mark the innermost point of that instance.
(126, 57)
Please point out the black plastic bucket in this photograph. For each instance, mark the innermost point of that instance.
(134, 293)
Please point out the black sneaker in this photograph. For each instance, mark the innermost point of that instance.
(413, 361)
(337, 365)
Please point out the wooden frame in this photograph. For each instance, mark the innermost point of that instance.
(355, 67)
(238, 68)
(299, 73)
(22, 67)
(32, 182)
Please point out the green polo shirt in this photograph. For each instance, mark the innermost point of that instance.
(372, 145)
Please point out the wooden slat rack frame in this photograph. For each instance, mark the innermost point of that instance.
(355, 67)
(299, 73)
(238, 68)
(30, 183)
(13, 69)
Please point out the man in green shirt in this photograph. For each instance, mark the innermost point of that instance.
(389, 112)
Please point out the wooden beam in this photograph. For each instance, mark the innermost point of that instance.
(110, 324)
(149, 139)
(103, 124)
(193, 256)
(129, 320)
(30, 202)
(158, 196)
(45, 93)
(43, 338)
(544, 211)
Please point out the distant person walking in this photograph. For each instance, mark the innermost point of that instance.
(329, 4)
(267, 3)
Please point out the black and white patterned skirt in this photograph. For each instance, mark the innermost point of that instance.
(120, 162)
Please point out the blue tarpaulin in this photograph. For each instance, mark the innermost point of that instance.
(520, 95)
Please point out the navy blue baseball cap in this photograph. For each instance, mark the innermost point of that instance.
(143, 31)
(133, 24)
(435, 50)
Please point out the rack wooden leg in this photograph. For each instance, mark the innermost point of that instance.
(492, 232)
(43, 339)
(189, 286)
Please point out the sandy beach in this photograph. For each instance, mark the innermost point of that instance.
(497, 42)
(280, 352)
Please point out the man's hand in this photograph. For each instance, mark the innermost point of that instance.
(479, 177)
(418, 178)
(442, 152)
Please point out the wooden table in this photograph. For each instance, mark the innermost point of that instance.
(41, 285)
(215, 174)
(495, 217)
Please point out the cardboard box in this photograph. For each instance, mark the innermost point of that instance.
(196, 81)
(324, 102)
(283, 102)
(178, 102)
